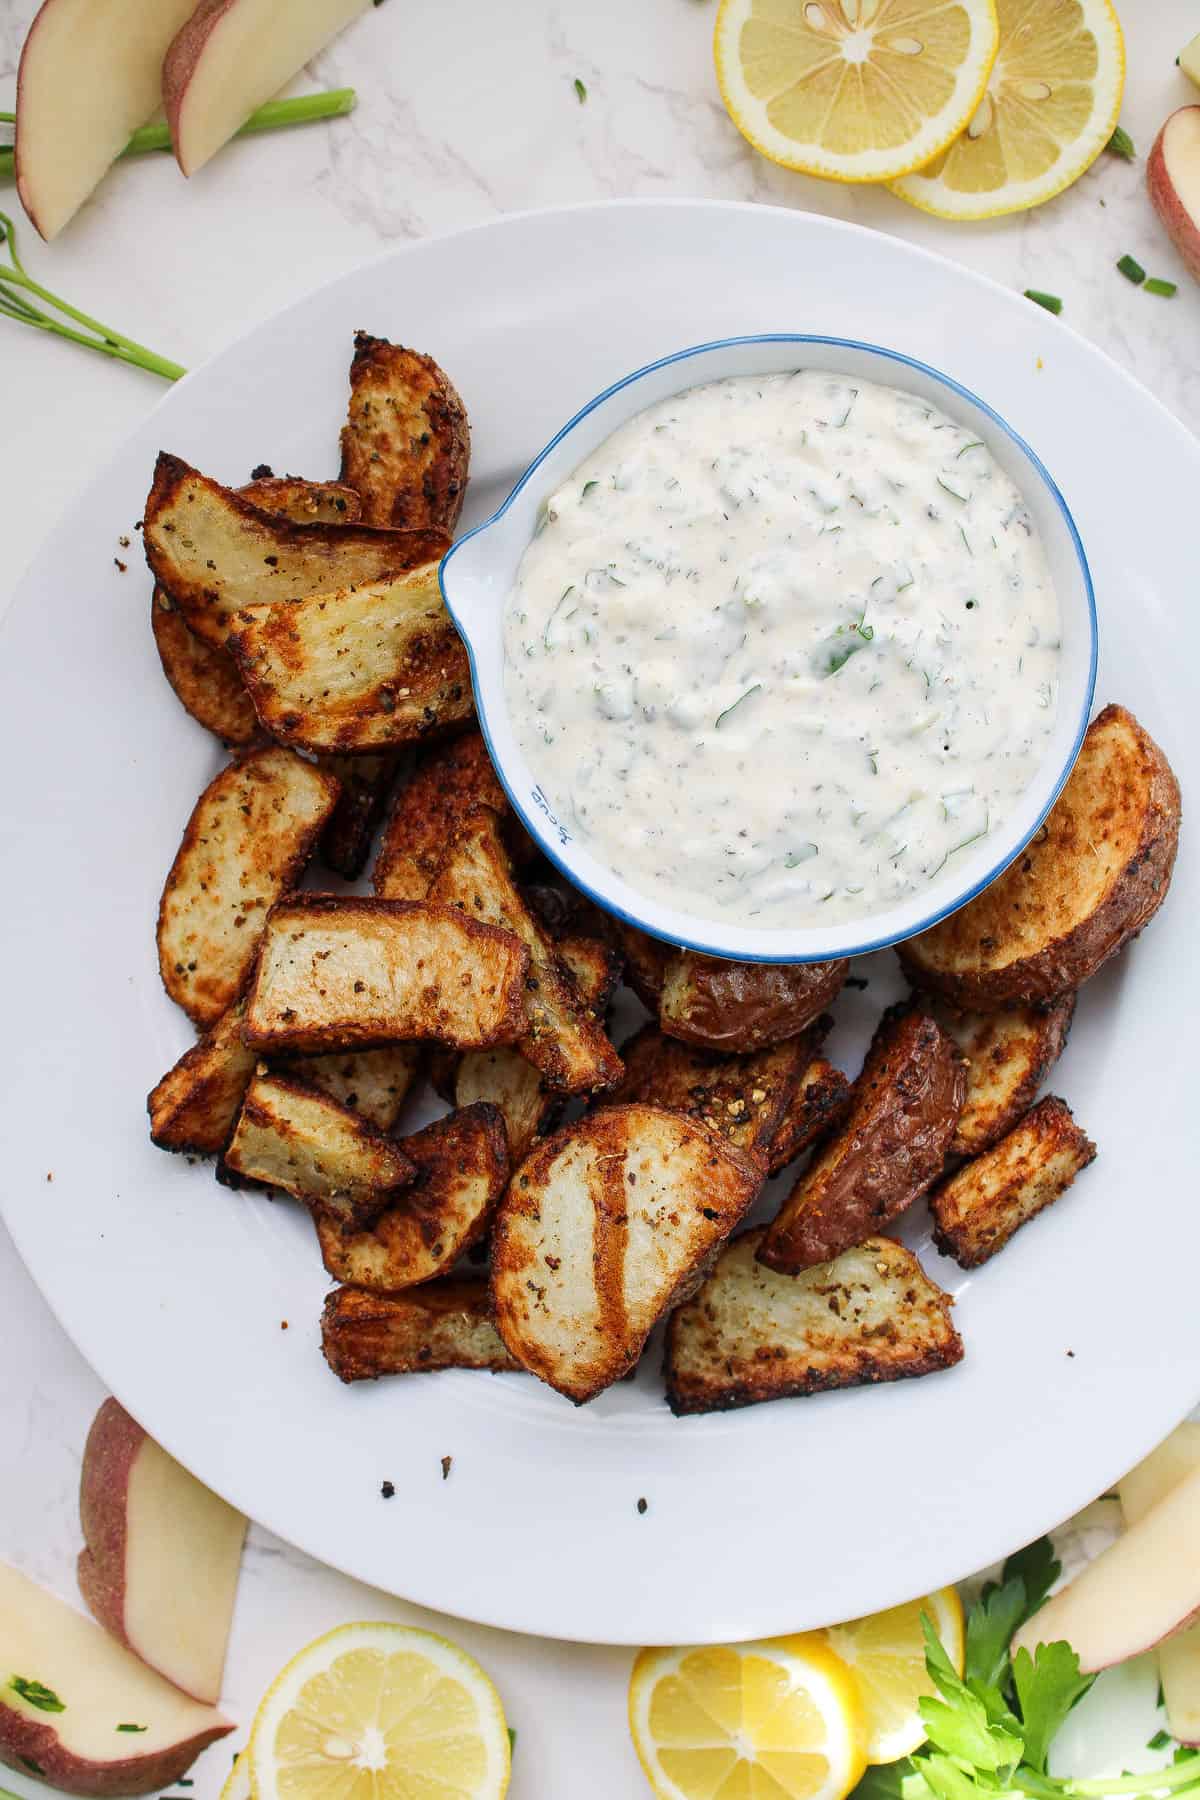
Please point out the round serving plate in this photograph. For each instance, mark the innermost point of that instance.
(1082, 1338)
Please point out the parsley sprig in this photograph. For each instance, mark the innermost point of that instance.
(990, 1729)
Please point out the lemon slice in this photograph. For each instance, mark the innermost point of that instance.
(886, 1655)
(857, 90)
(380, 1712)
(1051, 106)
(237, 1782)
(778, 1718)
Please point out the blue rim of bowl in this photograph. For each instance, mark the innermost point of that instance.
(730, 343)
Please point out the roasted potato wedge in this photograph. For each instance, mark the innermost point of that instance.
(303, 502)
(563, 910)
(646, 961)
(443, 1325)
(821, 1101)
(462, 1168)
(891, 1147)
(196, 1104)
(365, 782)
(372, 667)
(1095, 874)
(740, 1097)
(292, 1137)
(215, 553)
(250, 834)
(594, 969)
(1009, 1053)
(743, 1006)
(372, 1083)
(978, 1208)
(450, 779)
(337, 972)
(560, 1037)
(204, 678)
(406, 443)
(749, 1335)
(606, 1226)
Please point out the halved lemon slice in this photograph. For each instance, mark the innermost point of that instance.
(780, 1717)
(237, 1782)
(886, 1655)
(380, 1712)
(857, 90)
(1051, 106)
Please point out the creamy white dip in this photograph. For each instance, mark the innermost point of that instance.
(782, 647)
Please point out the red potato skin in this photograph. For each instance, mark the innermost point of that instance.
(180, 61)
(24, 1740)
(108, 1458)
(24, 189)
(1181, 228)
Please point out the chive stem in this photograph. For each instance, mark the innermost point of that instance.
(1121, 144)
(1132, 270)
(1163, 288)
(1051, 302)
(721, 717)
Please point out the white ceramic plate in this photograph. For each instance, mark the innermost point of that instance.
(1083, 1338)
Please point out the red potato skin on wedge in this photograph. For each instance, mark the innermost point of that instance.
(26, 1741)
(744, 1006)
(1177, 143)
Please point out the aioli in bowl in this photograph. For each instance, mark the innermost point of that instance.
(783, 646)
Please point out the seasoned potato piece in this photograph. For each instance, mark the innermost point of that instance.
(372, 1083)
(646, 961)
(561, 1038)
(366, 668)
(295, 1138)
(205, 679)
(744, 1006)
(365, 782)
(749, 1335)
(564, 911)
(1096, 872)
(337, 971)
(462, 1167)
(604, 1227)
(978, 1209)
(195, 1105)
(594, 968)
(303, 502)
(1009, 1054)
(450, 779)
(406, 442)
(214, 552)
(443, 1325)
(820, 1102)
(891, 1147)
(247, 841)
(741, 1097)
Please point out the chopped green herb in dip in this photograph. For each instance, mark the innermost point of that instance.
(783, 646)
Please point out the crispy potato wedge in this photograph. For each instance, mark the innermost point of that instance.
(1095, 874)
(372, 1083)
(594, 968)
(891, 1147)
(606, 1226)
(646, 961)
(744, 1006)
(749, 1335)
(293, 1137)
(372, 667)
(1009, 1054)
(406, 443)
(215, 553)
(821, 1101)
(978, 1208)
(250, 834)
(303, 502)
(337, 972)
(564, 911)
(365, 782)
(443, 1325)
(741, 1097)
(450, 778)
(196, 1104)
(561, 1037)
(204, 678)
(462, 1169)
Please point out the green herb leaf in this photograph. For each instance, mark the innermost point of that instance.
(133, 1728)
(959, 1722)
(1163, 288)
(1051, 302)
(37, 1694)
(750, 690)
(1039, 1568)
(580, 91)
(1159, 1741)
(1048, 1685)
(1132, 270)
(587, 488)
(1121, 144)
(512, 1737)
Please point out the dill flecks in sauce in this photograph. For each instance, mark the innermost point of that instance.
(782, 647)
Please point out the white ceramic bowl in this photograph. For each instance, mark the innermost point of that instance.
(478, 574)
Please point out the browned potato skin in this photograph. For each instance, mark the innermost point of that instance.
(646, 961)
(744, 1006)
(820, 1102)
(303, 502)
(195, 1106)
(204, 679)
(891, 1147)
(1028, 1170)
(462, 1170)
(1136, 810)
(406, 443)
(450, 778)
(442, 1325)
(1009, 1053)
(374, 1083)
(365, 782)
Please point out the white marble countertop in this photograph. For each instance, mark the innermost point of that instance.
(459, 119)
